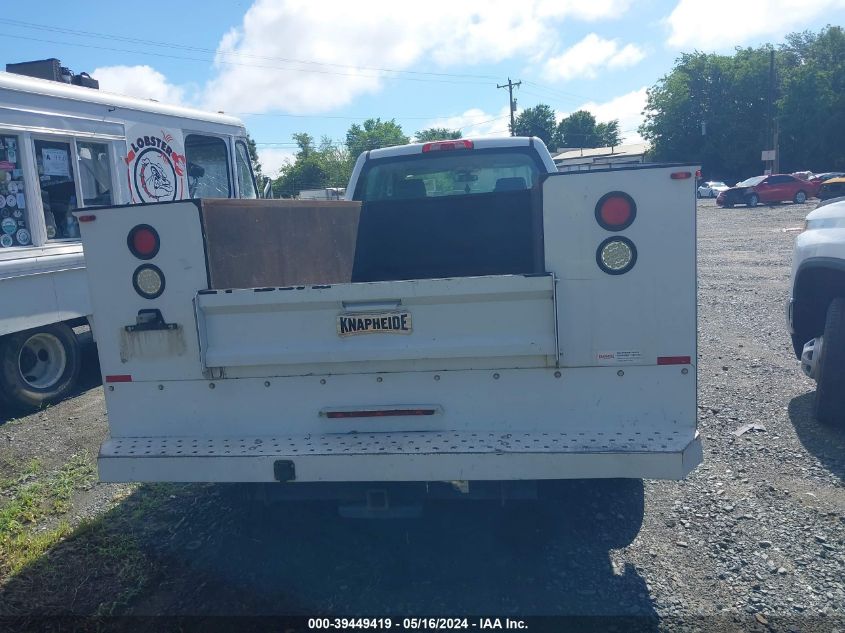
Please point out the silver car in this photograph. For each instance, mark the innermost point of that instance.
(711, 188)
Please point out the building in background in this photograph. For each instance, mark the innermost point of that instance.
(587, 158)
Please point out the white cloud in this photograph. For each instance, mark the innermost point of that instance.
(475, 123)
(587, 11)
(340, 35)
(272, 159)
(628, 108)
(586, 57)
(143, 82)
(738, 23)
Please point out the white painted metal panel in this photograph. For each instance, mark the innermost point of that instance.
(651, 309)
(643, 399)
(163, 355)
(464, 318)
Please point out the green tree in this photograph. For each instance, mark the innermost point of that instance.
(436, 134)
(305, 172)
(711, 109)
(536, 121)
(811, 107)
(253, 157)
(373, 134)
(580, 129)
(608, 133)
(313, 167)
(335, 161)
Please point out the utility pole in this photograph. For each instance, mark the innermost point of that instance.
(770, 123)
(510, 86)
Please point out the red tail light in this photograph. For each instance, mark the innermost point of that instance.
(616, 211)
(462, 143)
(143, 241)
(680, 175)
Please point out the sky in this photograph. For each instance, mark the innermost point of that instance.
(287, 66)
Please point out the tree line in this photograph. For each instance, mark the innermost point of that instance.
(722, 110)
(328, 163)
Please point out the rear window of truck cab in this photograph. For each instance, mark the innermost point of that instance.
(448, 173)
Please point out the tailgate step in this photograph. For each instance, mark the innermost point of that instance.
(423, 442)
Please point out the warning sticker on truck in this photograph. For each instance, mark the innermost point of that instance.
(621, 357)
(382, 322)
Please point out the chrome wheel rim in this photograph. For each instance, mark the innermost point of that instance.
(42, 361)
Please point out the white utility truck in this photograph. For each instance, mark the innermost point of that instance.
(816, 309)
(66, 147)
(468, 314)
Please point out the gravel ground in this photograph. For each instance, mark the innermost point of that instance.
(753, 539)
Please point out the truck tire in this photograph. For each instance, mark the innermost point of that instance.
(829, 405)
(39, 366)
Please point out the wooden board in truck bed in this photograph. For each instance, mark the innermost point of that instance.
(279, 243)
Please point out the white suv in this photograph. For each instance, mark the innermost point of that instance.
(816, 309)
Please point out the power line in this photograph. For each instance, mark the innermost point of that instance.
(561, 94)
(170, 45)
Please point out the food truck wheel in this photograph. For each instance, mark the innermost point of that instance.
(39, 366)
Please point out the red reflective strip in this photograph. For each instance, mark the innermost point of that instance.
(381, 413)
(119, 378)
(448, 145)
(681, 175)
(673, 360)
(87, 218)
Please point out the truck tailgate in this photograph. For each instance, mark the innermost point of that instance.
(454, 321)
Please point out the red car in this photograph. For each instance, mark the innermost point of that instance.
(774, 188)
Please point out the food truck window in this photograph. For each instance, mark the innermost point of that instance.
(208, 167)
(14, 230)
(246, 182)
(94, 173)
(58, 188)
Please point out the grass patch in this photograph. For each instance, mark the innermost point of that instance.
(100, 566)
(29, 499)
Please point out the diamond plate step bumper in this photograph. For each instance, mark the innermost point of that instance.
(401, 456)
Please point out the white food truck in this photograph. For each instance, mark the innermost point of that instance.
(65, 148)
(468, 315)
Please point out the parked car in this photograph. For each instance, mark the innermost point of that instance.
(816, 309)
(711, 188)
(774, 188)
(833, 188)
(825, 176)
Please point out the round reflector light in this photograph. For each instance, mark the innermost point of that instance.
(616, 211)
(148, 281)
(143, 241)
(616, 255)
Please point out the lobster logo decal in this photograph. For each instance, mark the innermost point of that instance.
(156, 170)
